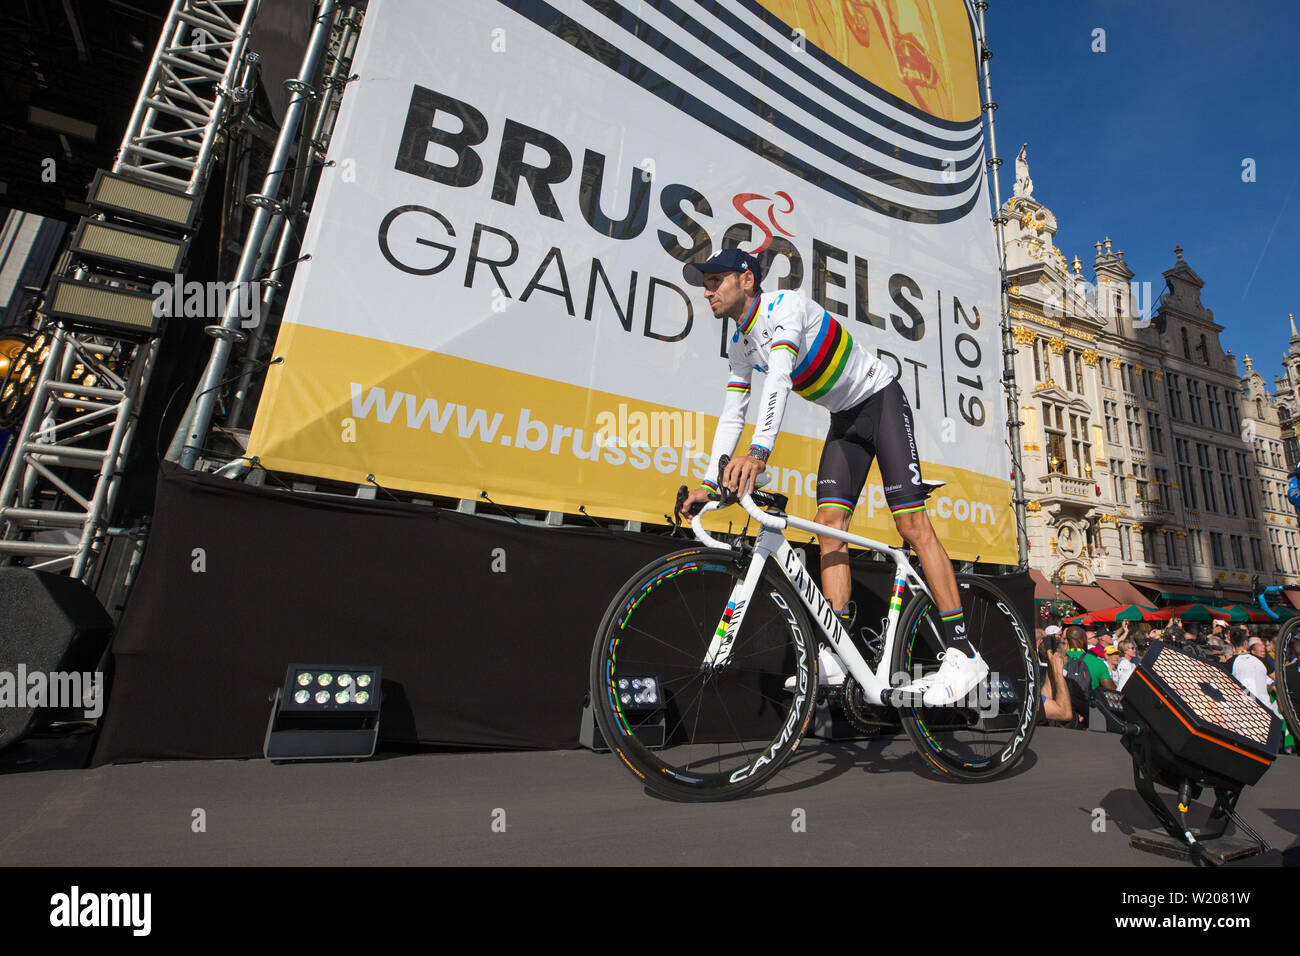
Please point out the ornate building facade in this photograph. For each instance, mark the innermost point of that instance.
(1268, 424)
(1134, 463)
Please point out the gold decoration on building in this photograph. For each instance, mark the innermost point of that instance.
(1250, 366)
(1033, 506)
(1115, 363)
(1030, 448)
(1014, 290)
(1091, 357)
(1018, 313)
(1138, 369)
(1027, 221)
(1109, 519)
(1160, 376)
(1048, 384)
(1058, 345)
(1053, 545)
(1023, 336)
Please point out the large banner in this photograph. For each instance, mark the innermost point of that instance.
(497, 296)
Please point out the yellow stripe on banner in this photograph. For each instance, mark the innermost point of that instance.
(436, 424)
(921, 51)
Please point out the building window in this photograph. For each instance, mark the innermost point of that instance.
(1216, 545)
(1198, 554)
(1247, 491)
(1153, 429)
(1194, 400)
(1042, 360)
(1105, 371)
(1148, 384)
(1140, 483)
(1134, 417)
(1080, 447)
(1256, 555)
(1112, 421)
(1238, 552)
(1170, 554)
(1162, 490)
(1175, 398)
(1185, 484)
(1207, 478)
(1216, 407)
(1117, 481)
(1124, 552)
(1187, 349)
(1232, 417)
(1225, 482)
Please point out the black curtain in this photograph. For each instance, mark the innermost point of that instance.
(483, 627)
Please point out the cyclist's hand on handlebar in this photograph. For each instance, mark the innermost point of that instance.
(694, 500)
(740, 473)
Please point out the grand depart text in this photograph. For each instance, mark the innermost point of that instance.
(420, 240)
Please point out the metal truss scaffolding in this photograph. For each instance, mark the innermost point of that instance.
(62, 479)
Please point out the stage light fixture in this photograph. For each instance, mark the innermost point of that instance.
(1190, 726)
(126, 248)
(143, 202)
(98, 306)
(641, 702)
(317, 716)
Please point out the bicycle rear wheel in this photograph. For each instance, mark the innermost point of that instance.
(1286, 678)
(725, 731)
(988, 733)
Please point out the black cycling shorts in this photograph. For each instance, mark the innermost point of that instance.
(880, 426)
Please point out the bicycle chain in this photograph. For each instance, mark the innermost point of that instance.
(867, 719)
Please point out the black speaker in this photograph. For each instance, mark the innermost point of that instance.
(53, 632)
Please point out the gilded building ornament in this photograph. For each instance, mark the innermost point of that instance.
(1023, 336)
(1090, 357)
(1050, 383)
(1033, 506)
(1159, 375)
(1115, 363)
(1058, 345)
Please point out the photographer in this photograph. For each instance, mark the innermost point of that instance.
(1055, 695)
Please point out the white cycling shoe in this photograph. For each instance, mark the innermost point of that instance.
(830, 672)
(956, 677)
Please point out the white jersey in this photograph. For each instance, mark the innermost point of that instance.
(799, 346)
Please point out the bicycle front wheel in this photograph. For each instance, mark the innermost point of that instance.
(724, 730)
(1286, 678)
(987, 733)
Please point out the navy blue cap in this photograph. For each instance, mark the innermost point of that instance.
(733, 260)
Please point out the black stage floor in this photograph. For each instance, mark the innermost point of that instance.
(866, 803)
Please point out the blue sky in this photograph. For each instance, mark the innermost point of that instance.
(1145, 143)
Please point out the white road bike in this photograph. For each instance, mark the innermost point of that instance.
(714, 651)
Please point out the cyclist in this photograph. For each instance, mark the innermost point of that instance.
(799, 346)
